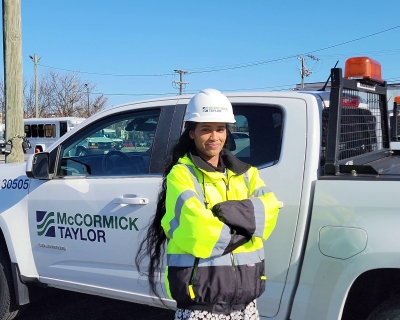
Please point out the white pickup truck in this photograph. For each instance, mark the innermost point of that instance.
(73, 221)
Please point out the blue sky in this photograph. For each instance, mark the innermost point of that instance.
(122, 38)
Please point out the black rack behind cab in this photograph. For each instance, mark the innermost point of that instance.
(394, 123)
(355, 128)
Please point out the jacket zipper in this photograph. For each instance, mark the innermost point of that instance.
(227, 187)
(192, 276)
(232, 260)
(236, 282)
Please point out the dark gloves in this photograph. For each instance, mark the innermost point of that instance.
(216, 210)
(237, 214)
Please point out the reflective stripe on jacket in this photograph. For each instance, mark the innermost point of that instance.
(215, 225)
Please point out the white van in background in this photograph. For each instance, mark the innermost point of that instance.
(43, 132)
(2, 143)
(2, 138)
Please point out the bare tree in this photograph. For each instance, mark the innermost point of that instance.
(70, 96)
(88, 103)
(59, 95)
(63, 95)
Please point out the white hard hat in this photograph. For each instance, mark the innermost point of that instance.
(209, 105)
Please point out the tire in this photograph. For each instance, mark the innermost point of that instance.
(8, 305)
(387, 310)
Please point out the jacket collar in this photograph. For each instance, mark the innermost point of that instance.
(226, 158)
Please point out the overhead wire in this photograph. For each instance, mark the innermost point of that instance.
(112, 74)
(293, 56)
(193, 91)
(231, 67)
(134, 94)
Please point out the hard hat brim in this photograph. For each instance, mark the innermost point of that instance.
(211, 119)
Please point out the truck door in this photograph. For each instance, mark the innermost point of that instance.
(260, 139)
(87, 221)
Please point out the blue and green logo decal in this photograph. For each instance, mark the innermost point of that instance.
(45, 224)
(81, 227)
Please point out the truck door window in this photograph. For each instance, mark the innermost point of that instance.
(118, 145)
(240, 135)
(257, 133)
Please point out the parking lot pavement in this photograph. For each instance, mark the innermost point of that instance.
(64, 305)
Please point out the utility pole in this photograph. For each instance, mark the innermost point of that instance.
(12, 52)
(73, 93)
(35, 62)
(88, 100)
(304, 72)
(180, 82)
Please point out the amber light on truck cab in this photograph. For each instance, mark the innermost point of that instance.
(363, 68)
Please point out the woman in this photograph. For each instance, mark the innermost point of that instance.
(214, 212)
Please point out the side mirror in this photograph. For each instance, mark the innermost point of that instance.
(37, 166)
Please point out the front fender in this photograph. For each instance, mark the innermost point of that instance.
(14, 189)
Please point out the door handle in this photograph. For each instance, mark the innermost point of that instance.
(131, 199)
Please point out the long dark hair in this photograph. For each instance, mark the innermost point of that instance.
(153, 243)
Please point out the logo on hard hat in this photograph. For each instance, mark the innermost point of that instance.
(214, 109)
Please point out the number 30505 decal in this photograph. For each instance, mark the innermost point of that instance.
(15, 184)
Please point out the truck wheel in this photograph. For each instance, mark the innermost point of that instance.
(8, 305)
(387, 310)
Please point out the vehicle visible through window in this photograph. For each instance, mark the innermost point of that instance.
(241, 135)
(257, 134)
(119, 145)
(43, 132)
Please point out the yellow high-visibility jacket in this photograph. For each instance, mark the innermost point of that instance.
(215, 224)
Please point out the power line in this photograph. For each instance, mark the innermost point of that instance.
(293, 56)
(191, 91)
(111, 74)
(232, 67)
(354, 40)
(279, 87)
(375, 53)
(134, 94)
